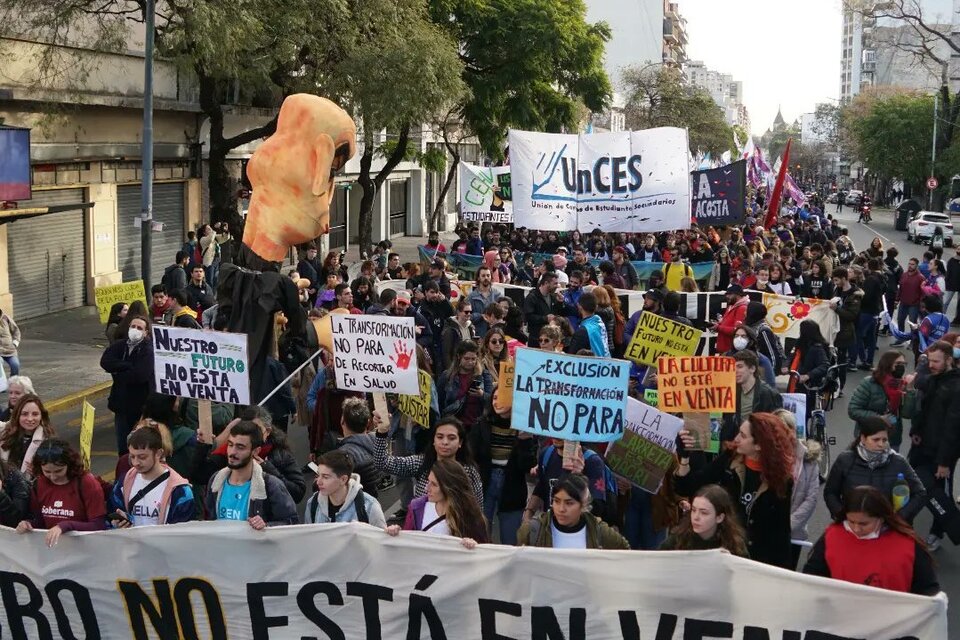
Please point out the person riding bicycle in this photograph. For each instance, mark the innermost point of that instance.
(811, 361)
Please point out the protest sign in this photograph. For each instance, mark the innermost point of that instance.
(796, 403)
(375, 353)
(204, 365)
(650, 397)
(628, 181)
(485, 194)
(702, 384)
(372, 586)
(417, 406)
(508, 368)
(717, 195)
(645, 453)
(570, 397)
(86, 433)
(705, 429)
(109, 295)
(657, 336)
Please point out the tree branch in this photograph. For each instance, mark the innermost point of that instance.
(249, 136)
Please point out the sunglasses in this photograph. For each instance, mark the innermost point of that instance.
(496, 341)
(545, 340)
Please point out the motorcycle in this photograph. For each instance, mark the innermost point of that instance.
(865, 210)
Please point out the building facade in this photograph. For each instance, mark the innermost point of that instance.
(674, 35)
(725, 91)
(638, 33)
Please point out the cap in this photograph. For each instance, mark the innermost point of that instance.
(403, 295)
(654, 294)
(735, 288)
(563, 249)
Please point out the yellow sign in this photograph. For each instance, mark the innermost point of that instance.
(504, 399)
(127, 292)
(417, 408)
(657, 336)
(86, 433)
(702, 384)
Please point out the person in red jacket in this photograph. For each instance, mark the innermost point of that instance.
(732, 318)
(870, 544)
(909, 295)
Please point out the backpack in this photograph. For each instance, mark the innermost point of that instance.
(609, 480)
(358, 504)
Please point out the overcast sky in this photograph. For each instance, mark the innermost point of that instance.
(785, 53)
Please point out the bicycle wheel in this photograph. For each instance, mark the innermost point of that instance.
(819, 420)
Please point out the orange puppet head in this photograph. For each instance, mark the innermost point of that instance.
(292, 175)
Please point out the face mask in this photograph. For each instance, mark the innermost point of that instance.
(900, 369)
(740, 343)
(956, 352)
(134, 335)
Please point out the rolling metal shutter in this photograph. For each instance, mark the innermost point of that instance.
(167, 208)
(46, 256)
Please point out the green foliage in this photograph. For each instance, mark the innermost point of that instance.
(657, 97)
(433, 160)
(529, 64)
(893, 136)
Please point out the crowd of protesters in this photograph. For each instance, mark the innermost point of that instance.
(473, 476)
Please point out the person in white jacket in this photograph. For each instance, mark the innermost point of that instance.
(806, 484)
(340, 496)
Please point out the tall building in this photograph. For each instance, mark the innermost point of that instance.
(674, 35)
(638, 28)
(877, 51)
(725, 91)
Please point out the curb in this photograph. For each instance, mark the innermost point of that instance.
(73, 399)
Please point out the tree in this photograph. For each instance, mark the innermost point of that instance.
(257, 45)
(657, 97)
(531, 64)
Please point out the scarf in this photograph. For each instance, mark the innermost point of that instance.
(874, 459)
(893, 388)
(753, 465)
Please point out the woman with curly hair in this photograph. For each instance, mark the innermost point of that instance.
(65, 497)
(493, 351)
(28, 427)
(756, 469)
(711, 523)
(619, 321)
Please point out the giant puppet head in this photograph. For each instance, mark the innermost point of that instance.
(292, 175)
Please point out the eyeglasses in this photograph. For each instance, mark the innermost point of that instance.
(545, 340)
(497, 341)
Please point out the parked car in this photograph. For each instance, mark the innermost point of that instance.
(924, 222)
(853, 198)
(832, 198)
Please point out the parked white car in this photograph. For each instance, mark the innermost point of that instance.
(922, 225)
(852, 198)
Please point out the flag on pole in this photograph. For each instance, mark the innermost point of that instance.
(778, 189)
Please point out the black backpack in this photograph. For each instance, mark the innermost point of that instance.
(358, 504)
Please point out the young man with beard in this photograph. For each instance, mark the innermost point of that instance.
(435, 309)
(150, 493)
(581, 264)
(242, 491)
(480, 296)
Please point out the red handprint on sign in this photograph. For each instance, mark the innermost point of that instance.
(401, 357)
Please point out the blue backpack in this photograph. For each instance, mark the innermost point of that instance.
(609, 480)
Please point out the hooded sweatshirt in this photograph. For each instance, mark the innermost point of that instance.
(317, 510)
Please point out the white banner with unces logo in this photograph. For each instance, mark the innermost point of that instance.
(485, 194)
(630, 181)
(222, 580)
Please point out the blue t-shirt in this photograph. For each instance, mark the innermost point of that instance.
(234, 501)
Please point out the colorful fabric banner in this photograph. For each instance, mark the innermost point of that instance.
(701, 384)
(625, 181)
(717, 195)
(354, 581)
(485, 194)
(569, 397)
(645, 453)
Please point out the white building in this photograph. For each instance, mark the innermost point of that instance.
(725, 91)
(638, 33)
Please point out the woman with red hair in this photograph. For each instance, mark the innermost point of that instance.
(756, 470)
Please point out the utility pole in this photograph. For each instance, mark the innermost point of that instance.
(933, 150)
(146, 155)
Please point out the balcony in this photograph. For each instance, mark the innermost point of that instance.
(668, 31)
(868, 66)
(670, 10)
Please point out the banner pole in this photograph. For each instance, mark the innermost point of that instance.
(290, 377)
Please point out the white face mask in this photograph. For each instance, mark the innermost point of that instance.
(740, 343)
(134, 335)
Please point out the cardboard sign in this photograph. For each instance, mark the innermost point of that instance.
(702, 384)
(569, 397)
(705, 429)
(109, 295)
(417, 406)
(86, 433)
(204, 365)
(645, 454)
(651, 397)
(796, 403)
(205, 419)
(508, 369)
(657, 336)
(375, 353)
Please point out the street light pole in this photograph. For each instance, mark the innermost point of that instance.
(933, 150)
(146, 171)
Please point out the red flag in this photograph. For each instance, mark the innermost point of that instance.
(778, 189)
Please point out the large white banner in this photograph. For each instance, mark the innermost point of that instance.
(627, 181)
(485, 194)
(206, 365)
(223, 580)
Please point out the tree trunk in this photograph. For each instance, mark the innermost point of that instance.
(442, 196)
(370, 185)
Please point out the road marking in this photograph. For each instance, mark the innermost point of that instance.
(98, 421)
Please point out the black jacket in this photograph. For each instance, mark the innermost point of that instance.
(814, 363)
(768, 523)
(850, 471)
(201, 295)
(874, 286)
(15, 498)
(279, 463)
(765, 398)
(174, 278)
(953, 274)
(132, 374)
(536, 308)
(523, 457)
(849, 313)
(938, 420)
